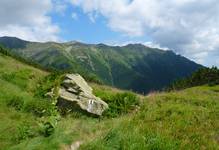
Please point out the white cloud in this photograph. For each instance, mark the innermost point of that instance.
(27, 19)
(59, 6)
(154, 45)
(190, 27)
(148, 44)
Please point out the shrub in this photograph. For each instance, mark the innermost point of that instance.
(47, 83)
(121, 103)
(24, 131)
(47, 125)
(46, 129)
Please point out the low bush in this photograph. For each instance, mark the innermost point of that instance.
(47, 125)
(47, 83)
(120, 103)
(24, 131)
(46, 129)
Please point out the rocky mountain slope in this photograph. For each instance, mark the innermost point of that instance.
(133, 67)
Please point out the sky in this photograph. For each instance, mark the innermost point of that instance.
(188, 27)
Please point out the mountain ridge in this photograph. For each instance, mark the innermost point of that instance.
(133, 66)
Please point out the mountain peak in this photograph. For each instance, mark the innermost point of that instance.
(10, 38)
(12, 42)
(136, 45)
(72, 42)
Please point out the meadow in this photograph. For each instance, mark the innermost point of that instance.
(186, 119)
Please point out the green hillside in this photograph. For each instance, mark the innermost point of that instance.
(133, 67)
(187, 119)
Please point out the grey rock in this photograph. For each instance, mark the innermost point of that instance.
(75, 91)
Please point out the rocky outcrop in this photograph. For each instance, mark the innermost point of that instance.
(76, 94)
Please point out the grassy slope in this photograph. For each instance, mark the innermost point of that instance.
(187, 119)
(16, 79)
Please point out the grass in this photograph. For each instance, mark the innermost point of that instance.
(187, 119)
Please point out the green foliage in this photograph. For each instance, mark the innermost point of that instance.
(5, 51)
(126, 136)
(39, 107)
(50, 83)
(19, 82)
(27, 131)
(47, 84)
(18, 77)
(24, 132)
(16, 102)
(202, 76)
(186, 119)
(20, 110)
(47, 126)
(92, 78)
(175, 120)
(47, 129)
(119, 103)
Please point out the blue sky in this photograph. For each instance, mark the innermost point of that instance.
(188, 27)
(82, 28)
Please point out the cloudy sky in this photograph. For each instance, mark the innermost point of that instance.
(189, 27)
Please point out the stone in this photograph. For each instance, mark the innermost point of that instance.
(75, 91)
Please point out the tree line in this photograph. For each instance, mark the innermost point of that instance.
(203, 76)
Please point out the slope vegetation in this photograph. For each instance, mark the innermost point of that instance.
(133, 67)
(187, 119)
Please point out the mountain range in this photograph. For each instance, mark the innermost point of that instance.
(133, 67)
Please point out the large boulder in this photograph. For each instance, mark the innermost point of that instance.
(75, 93)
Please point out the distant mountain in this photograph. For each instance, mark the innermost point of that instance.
(134, 66)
